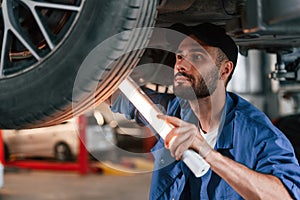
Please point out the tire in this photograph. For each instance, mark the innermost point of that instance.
(37, 80)
(63, 153)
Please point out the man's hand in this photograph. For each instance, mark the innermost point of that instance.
(184, 136)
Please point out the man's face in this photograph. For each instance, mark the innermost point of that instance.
(195, 74)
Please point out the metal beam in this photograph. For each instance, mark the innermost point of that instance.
(279, 11)
(272, 17)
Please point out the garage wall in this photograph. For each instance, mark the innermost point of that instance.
(250, 80)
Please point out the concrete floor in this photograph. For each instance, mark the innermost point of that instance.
(48, 185)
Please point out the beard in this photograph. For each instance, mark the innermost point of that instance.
(200, 86)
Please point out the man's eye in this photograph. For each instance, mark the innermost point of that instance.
(196, 57)
(179, 56)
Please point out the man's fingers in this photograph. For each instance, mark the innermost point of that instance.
(183, 132)
(181, 137)
(169, 119)
(178, 140)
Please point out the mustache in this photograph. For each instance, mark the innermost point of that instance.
(184, 74)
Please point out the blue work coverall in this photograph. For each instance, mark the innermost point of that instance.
(247, 136)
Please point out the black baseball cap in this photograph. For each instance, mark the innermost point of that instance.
(212, 35)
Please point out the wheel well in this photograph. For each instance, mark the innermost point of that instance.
(61, 143)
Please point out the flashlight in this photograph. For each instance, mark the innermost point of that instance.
(150, 111)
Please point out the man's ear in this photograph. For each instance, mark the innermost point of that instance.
(226, 69)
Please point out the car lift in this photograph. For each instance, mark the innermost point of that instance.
(2, 160)
(82, 165)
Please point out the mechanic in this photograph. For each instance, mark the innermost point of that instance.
(249, 158)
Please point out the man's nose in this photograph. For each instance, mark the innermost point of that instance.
(182, 64)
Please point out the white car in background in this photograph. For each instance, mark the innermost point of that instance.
(60, 141)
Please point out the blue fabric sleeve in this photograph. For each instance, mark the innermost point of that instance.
(122, 105)
(276, 156)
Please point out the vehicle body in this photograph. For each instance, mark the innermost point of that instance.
(60, 141)
(54, 65)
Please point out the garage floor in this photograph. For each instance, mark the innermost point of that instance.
(48, 185)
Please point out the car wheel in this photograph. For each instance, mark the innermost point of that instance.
(63, 152)
(42, 49)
